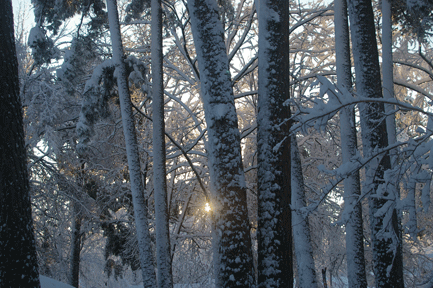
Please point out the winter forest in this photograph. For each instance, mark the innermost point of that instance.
(216, 143)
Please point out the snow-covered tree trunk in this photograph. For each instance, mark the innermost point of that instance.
(388, 92)
(273, 146)
(18, 261)
(387, 68)
(232, 244)
(301, 227)
(163, 257)
(388, 273)
(352, 186)
(139, 203)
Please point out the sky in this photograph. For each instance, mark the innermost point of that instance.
(16, 3)
(26, 5)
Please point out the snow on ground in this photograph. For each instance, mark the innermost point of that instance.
(47, 282)
(175, 286)
(51, 283)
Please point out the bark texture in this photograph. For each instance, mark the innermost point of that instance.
(18, 261)
(76, 246)
(388, 269)
(273, 146)
(231, 241)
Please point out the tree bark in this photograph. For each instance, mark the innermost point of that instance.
(352, 186)
(163, 257)
(76, 246)
(388, 92)
(139, 203)
(387, 271)
(387, 68)
(231, 236)
(18, 260)
(273, 146)
(325, 282)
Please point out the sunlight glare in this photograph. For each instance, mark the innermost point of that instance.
(207, 207)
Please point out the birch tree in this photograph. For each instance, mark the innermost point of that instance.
(273, 147)
(231, 235)
(140, 207)
(18, 262)
(387, 266)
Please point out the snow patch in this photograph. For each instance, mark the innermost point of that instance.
(220, 111)
(47, 282)
(36, 35)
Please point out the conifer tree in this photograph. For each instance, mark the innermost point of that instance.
(232, 255)
(273, 146)
(352, 186)
(387, 264)
(18, 261)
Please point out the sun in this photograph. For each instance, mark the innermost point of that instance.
(207, 207)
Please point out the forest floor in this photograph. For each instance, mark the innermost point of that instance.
(51, 283)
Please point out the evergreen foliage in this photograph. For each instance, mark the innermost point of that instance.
(414, 17)
(135, 8)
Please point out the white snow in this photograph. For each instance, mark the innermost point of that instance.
(140, 208)
(47, 282)
(36, 34)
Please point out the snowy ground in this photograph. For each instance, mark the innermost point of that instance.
(51, 283)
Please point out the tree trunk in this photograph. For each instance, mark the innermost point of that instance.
(301, 227)
(325, 282)
(232, 244)
(18, 260)
(273, 146)
(352, 186)
(76, 246)
(387, 69)
(388, 273)
(140, 207)
(163, 257)
(388, 92)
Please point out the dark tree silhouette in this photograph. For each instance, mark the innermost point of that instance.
(18, 262)
(273, 147)
(387, 265)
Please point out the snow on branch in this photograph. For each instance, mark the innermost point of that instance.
(184, 153)
(333, 98)
(98, 90)
(415, 152)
